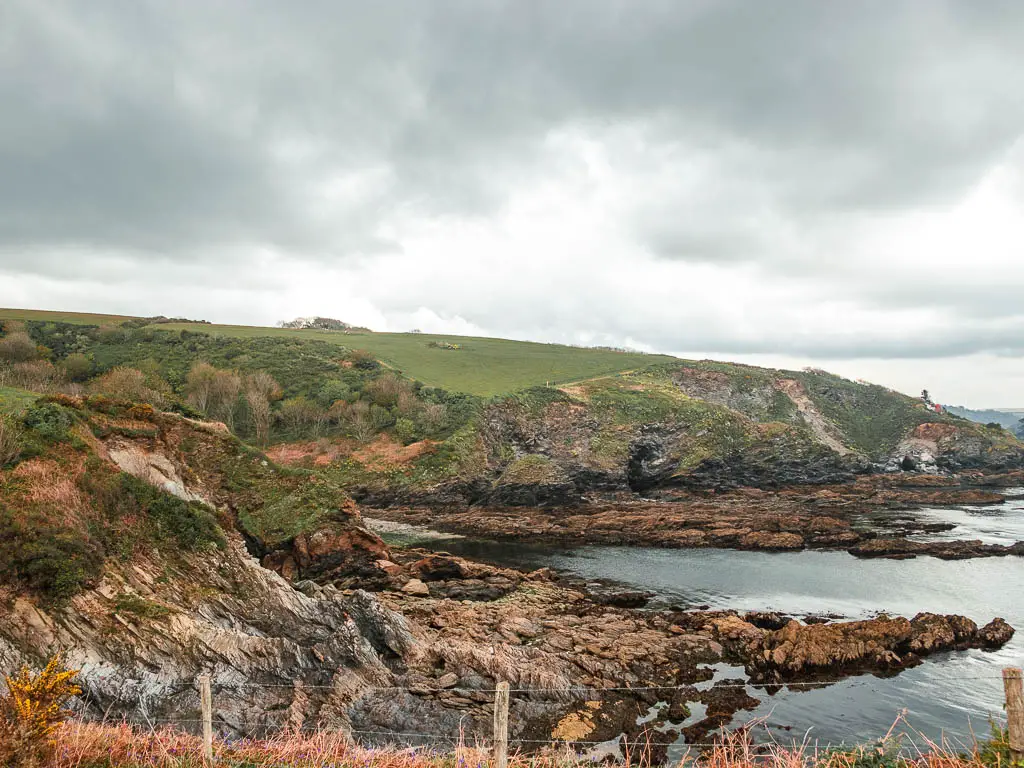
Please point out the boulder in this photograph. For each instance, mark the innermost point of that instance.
(996, 633)
(439, 568)
(417, 588)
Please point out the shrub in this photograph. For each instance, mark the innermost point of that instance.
(37, 375)
(387, 390)
(76, 367)
(11, 441)
(55, 561)
(332, 391)
(18, 347)
(405, 430)
(140, 606)
(50, 421)
(363, 360)
(433, 416)
(31, 711)
(129, 384)
(995, 750)
(380, 417)
(191, 524)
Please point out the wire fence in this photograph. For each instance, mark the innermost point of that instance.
(284, 720)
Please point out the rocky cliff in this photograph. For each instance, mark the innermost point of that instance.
(695, 425)
(151, 549)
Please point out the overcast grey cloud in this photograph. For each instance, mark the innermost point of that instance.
(833, 183)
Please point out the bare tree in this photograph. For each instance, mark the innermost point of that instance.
(259, 415)
(261, 381)
(36, 375)
(224, 392)
(260, 388)
(319, 419)
(354, 418)
(199, 385)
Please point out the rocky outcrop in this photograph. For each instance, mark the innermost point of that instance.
(805, 650)
(792, 518)
(146, 631)
(901, 549)
(949, 447)
(347, 555)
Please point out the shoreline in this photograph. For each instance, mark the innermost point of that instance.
(830, 518)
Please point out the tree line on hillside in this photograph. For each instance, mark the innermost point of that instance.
(264, 389)
(321, 324)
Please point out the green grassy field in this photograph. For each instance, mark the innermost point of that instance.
(482, 366)
(84, 318)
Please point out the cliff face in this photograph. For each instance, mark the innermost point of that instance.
(132, 539)
(700, 425)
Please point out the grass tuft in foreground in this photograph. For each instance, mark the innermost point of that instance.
(94, 745)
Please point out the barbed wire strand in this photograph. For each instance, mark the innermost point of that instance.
(589, 688)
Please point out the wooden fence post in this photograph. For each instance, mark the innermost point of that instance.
(501, 726)
(206, 703)
(1013, 683)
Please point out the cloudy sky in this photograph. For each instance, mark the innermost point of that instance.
(787, 183)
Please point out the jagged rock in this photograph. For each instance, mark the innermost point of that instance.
(958, 549)
(767, 620)
(623, 598)
(996, 633)
(221, 613)
(449, 680)
(875, 644)
(439, 568)
(932, 632)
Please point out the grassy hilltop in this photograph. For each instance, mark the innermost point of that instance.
(478, 366)
(416, 416)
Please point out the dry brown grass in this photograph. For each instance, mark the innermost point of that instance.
(90, 745)
(53, 486)
(385, 452)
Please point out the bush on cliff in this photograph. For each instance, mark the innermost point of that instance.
(54, 561)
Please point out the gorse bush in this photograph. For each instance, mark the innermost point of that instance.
(30, 712)
(160, 517)
(50, 421)
(53, 560)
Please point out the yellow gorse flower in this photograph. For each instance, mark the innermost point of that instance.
(35, 703)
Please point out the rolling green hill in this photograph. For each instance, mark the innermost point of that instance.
(479, 366)
(423, 416)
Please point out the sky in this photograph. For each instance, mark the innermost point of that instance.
(788, 183)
